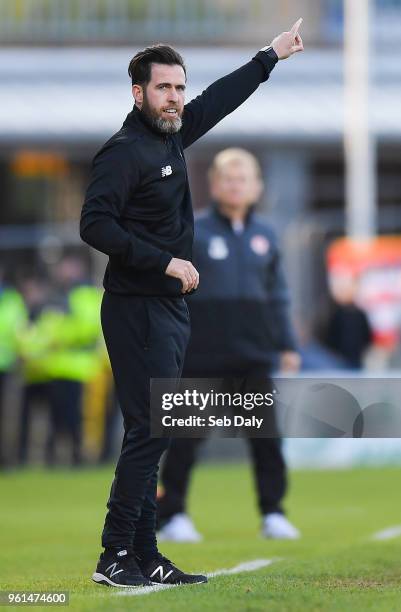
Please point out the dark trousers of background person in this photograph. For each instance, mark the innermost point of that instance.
(146, 337)
(2, 455)
(63, 399)
(33, 395)
(267, 458)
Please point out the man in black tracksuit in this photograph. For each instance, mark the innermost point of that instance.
(138, 211)
(240, 326)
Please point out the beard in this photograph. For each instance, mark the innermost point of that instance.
(163, 126)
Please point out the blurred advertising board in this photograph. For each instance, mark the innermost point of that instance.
(369, 271)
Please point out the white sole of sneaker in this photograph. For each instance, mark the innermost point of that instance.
(102, 579)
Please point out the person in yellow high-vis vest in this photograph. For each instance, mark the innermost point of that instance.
(13, 317)
(60, 349)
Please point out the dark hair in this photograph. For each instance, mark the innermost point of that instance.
(139, 68)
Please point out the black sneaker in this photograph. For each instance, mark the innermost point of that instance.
(119, 568)
(161, 570)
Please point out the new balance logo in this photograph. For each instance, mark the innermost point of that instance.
(160, 570)
(166, 171)
(112, 569)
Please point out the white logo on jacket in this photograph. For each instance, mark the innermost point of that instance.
(218, 248)
(167, 170)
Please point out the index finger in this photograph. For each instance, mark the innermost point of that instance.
(296, 26)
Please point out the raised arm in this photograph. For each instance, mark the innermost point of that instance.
(225, 95)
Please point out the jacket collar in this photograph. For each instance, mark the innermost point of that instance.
(219, 215)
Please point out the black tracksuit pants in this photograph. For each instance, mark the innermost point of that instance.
(267, 458)
(146, 338)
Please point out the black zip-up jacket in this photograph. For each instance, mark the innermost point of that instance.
(138, 207)
(239, 314)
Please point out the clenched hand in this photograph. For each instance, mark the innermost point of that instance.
(185, 271)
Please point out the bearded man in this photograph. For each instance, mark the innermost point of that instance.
(138, 211)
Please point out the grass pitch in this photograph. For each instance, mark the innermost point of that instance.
(51, 521)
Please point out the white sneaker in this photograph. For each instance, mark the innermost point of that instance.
(278, 527)
(179, 528)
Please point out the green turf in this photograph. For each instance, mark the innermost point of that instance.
(51, 521)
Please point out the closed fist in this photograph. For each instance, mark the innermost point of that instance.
(185, 272)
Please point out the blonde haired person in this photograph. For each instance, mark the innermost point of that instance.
(241, 331)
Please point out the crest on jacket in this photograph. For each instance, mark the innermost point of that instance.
(260, 244)
(218, 248)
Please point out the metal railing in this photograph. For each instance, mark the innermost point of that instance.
(182, 21)
(136, 21)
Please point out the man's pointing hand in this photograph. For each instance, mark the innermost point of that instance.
(288, 43)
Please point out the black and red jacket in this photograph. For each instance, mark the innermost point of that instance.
(240, 312)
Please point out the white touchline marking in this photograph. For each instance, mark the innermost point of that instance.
(387, 534)
(248, 566)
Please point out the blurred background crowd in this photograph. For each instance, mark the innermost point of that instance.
(64, 90)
